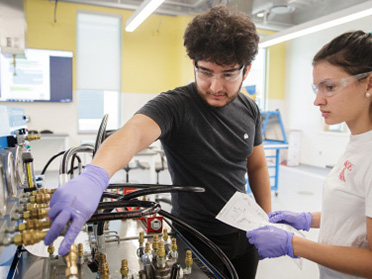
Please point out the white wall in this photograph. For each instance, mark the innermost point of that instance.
(318, 148)
(61, 118)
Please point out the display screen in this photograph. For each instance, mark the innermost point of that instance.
(39, 76)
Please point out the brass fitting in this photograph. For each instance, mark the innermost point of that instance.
(30, 206)
(34, 225)
(35, 213)
(161, 251)
(147, 247)
(80, 249)
(160, 257)
(124, 270)
(141, 239)
(188, 262)
(165, 235)
(71, 262)
(29, 237)
(43, 191)
(32, 137)
(103, 270)
(51, 249)
(174, 244)
(40, 198)
(155, 242)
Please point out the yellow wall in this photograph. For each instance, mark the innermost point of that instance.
(153, 57)
(275, 71)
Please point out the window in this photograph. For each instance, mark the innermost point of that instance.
(254, 84)
(98, 62)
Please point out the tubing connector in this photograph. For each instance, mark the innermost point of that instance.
(188, 262)
(71, 262)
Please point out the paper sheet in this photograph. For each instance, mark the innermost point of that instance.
(242, 212)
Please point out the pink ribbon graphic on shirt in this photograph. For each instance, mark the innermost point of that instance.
(348, 166)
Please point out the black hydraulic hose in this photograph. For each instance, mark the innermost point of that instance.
(101, 217)
(168, 201)
(50, 161)
(149, 191)
(131, 203)
(101, 134)
(217, 250)
(75, 156)
(138, 186)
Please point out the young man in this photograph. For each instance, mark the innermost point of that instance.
(211, 135)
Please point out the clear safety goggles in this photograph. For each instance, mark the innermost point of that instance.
(330, 87)
(230, 76)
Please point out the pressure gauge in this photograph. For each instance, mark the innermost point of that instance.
(3, 192)
(19, 167)
(7, 160)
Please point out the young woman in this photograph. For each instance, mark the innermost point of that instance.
(343, 86)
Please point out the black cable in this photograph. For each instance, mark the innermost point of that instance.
(50, 161)
(101, 217)
(149, 191)
(165, 200)
(138, 186)
(217, 250)
(71, 171)
(131, 203)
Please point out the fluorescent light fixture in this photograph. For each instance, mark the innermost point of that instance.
(337, 18)
(139, 15)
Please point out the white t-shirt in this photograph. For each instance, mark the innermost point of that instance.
(347, 200)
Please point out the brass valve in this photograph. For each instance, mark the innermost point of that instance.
(32, 137)
(155, 242)
(174, 244)
(103, 270)
(40, 198)
(43, 191)
(147, 247)
(71, 262)
(124, 270)
(29, 237)
(51, 249)
(30, 206)
(188, 262)
(141, 239)
(165, 235)
(80, 248)
(161, 251)
(34, 225)
(35, 213)
(160, 257)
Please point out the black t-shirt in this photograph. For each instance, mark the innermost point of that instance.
(206, 147)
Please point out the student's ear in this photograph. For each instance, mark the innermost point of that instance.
(369, 80)
(247, 69)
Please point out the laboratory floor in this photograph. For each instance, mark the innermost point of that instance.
(300, 189)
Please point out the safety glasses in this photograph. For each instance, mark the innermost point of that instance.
(330, 87)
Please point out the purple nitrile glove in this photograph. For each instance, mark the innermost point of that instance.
(75, 200)
(300, 221)
(271, 242)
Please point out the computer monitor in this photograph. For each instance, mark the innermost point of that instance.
(40, 75)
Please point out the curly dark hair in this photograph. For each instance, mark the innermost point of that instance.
(222, 35)
(351, 51)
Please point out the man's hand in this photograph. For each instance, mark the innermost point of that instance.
(75, 200)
